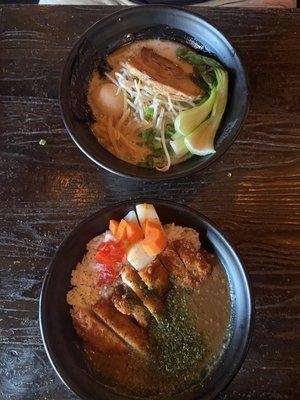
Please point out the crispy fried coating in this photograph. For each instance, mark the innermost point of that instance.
(155, 276)
(96, 333)
(130, 305)
(195, 262)
(152, 302)
(173, 264)
(123, 326)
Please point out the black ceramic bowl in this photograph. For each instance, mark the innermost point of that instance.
(64, 347)
(147, 22)
(171, 2)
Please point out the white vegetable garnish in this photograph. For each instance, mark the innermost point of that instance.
(141, 96)
(163, 139)
(146, 212)
(130, 103)
(131, 217)
(141, 109)
(171, 106)
(155, 107)
(112, 79)
(137, 86)
(137, 256)
(107, 236)
(159, 119)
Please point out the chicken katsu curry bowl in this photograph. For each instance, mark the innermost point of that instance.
(146, 299)
(153, 92)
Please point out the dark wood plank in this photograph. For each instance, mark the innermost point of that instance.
(251, 3)
(210, 3)
(252, 192)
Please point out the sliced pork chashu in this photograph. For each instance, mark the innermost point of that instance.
(162, 74)
(123, 326)
(156, 277)
(96, 334)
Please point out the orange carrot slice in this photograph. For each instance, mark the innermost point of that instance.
(155, 238)
(113, 226)
(121, 231)
(134, 232)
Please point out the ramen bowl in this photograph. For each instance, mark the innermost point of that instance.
(65, 349)
(142, 23)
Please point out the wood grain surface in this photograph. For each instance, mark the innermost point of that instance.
(208, 3)
(252, 192)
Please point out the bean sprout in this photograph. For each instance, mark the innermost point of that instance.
(142, 96)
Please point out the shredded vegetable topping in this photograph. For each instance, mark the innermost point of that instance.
(150, 108)
(141, 97)
(163, 139)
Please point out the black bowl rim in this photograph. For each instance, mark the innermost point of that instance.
(250, 323)
(180, 3)
(141, 176)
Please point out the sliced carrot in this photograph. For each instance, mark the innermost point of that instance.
(121, 231)
(151, 227)
(134, 232)
(155, 238)
(113, 226)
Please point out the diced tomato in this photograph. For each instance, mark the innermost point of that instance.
(107, 275)
(109, 254)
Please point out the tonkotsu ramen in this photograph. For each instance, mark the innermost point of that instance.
(156, 103)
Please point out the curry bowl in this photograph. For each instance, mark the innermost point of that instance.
(144, 23)
(65, 349)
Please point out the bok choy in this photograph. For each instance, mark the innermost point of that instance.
(187, 121)
(196, 128)
(201, 140)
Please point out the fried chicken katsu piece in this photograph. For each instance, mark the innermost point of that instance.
(129, 304)
(173, 264)
(195, 262)
(164, 75)
(177, 232)
(96, 334)
(123, 326)
(132, 279)
(155, 276)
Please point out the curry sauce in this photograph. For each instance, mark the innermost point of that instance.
(182, 354)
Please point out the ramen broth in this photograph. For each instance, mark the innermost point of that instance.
(121, 135)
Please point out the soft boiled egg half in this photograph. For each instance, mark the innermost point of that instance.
(109, 101)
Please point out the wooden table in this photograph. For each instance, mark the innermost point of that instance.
(252, 192)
